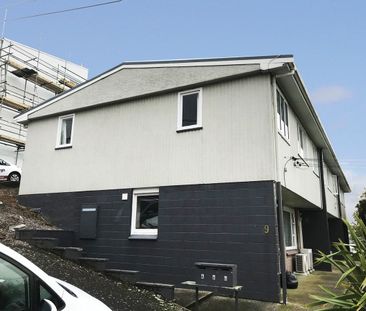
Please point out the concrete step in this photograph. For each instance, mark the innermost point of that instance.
(65, 237)
(129, 276)
(164, 290)
(68, 252)
(46, 243)
(98, 264)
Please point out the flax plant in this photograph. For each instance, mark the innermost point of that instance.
(350, 260)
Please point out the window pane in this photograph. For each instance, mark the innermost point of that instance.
(282, 114)
(278, 110)
(147, 212)
(66, 128)
(287, 227)
(286, 120)
(45, 294)
(14, 287)
(316, 164)
(189, 109)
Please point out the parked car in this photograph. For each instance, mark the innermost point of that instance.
(24, 286)
(9, 171)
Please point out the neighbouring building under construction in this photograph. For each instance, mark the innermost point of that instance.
(28, 77)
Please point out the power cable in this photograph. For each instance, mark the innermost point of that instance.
(66, 10)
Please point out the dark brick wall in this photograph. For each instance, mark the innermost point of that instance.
(213, 223)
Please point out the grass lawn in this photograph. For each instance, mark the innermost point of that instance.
(309, 285)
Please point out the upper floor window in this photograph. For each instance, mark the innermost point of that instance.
(282, 115)
(65, 131)
(189, 110)
(145, 207)
(315, 160)
(335, 184)
(300, 140)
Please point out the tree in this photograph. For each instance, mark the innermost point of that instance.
(351, 262)
(361, 207)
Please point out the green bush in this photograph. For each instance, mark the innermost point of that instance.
(350, 260)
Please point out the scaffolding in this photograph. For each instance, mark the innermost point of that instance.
(28, 77)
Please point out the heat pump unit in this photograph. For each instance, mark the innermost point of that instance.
(301, 262)
(309, 253)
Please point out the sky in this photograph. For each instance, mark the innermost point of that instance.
(327, 39)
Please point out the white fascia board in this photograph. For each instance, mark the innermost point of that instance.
(321, 127)
(264, 63)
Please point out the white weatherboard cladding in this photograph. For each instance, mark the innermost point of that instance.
(301, 180)
(128, 83)
(135, 144)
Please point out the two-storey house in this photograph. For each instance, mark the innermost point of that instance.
(214, 160)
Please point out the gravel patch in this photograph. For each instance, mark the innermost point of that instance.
(115, 294)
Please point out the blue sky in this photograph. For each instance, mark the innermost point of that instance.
(326, 37)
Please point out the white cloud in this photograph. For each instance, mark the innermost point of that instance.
(331, 94)
(358, 184)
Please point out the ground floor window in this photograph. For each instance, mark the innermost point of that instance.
(289, 221)
(145, 207)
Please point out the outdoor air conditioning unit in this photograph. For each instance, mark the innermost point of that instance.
(309, 253)
(301, 262)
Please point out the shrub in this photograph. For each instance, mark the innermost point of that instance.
(350, 260)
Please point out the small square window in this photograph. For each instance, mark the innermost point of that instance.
(189, 110)
(65, 131)
(145, 212)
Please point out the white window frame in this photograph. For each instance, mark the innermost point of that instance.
(315, 161)
(59, 128)
(198, 125)
(138, 231)
(300, 140)
(292, 227)
(282, 126)
(334, 184)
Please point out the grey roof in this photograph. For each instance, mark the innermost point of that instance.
(126, 81)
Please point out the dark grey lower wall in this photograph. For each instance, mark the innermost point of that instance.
(337, 231)
(211, 223)
(316, 235)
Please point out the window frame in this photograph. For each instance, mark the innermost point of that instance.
(300, 140)
(196, 126)
(29, 276)
(34, 284)
(59, 128)
(293, 228)
(283, 127)
(147, 233)
(315, 161)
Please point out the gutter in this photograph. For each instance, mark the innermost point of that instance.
(302, 89)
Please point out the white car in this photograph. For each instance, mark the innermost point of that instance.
(24, 286)
(9, 171)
